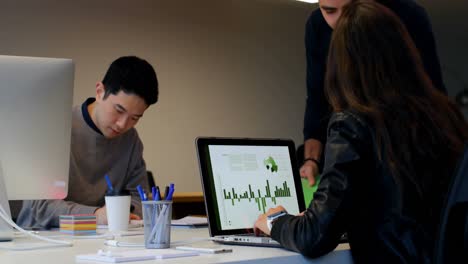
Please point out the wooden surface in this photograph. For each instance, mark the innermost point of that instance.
(188, 197)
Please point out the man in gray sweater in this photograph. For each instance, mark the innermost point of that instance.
(103, 141)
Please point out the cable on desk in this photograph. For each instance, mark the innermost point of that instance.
(74, 237)
(190, 241)
(57, 243)
(16, 247)
(116, 243)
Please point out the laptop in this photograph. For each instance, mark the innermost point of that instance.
(241, 179)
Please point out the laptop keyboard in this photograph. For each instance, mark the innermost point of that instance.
(252, 234)
(343, 238)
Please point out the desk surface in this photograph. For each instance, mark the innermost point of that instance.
(240, 254)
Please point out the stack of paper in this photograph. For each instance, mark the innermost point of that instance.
(190, 221)
(80, 224)
(135, 255)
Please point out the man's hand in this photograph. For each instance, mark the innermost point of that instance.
(101, 216)
(134, 217)
(260, 225)
(310, 169)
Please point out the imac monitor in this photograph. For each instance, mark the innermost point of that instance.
(35, 115)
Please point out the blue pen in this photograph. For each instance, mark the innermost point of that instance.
(109, 184)
(171, 192)
(142, 193)
(157, 195)
(153, 193)
(158, 191)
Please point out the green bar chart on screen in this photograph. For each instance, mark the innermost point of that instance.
(260, 199)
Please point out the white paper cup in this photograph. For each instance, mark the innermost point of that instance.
(118, 212)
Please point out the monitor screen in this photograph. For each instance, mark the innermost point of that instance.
(36, 96)
(249, 180)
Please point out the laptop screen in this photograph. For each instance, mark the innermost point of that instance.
(243, 178)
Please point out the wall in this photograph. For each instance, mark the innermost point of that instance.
(451, 32)
(226, 68)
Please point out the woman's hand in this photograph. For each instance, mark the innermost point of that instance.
(260, 225)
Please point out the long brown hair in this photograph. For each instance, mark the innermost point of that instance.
(375, 70)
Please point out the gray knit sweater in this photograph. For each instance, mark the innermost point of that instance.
(92, 156)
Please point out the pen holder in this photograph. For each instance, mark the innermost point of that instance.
(157, 223)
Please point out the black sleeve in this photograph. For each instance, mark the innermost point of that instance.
(419, 27)
(317, 39)
(318, 231)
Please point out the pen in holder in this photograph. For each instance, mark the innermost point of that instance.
(157, 223)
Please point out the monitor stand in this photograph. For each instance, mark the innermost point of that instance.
(6, 231)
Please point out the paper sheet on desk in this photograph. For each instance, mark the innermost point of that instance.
(190, 221)
(134, 255)
(132, 224)
(135, 228)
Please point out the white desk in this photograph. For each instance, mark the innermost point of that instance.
(240, 254)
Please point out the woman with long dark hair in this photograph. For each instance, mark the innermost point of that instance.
(393, 142)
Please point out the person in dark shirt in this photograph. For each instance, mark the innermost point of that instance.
(317, 39)
(393, 142)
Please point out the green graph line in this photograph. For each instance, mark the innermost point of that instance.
(259, 199)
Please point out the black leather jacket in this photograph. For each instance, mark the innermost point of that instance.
(358, 195)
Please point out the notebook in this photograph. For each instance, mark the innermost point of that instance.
(133, 255)
(243, 178)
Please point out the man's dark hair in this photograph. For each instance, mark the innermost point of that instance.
(132, 75)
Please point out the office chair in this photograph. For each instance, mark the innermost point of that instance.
(452, 243)
(15, 208)
(151, 182)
